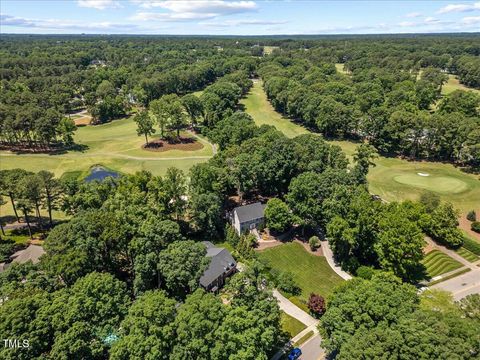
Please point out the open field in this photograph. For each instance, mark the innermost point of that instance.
(291, 325)
(453, 84)
(267, 50)
(393, 179)
(114, 145)
(258, 106)
(438, 263)
(311, 273)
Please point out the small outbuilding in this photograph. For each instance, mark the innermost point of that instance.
(222, 265)
(248, 217)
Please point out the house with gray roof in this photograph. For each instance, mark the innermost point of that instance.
(248, 217)
(31, 253)
(222, 265)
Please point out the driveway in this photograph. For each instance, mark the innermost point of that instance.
(293, 310)
(311, 349)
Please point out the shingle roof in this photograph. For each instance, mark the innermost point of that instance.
(31, 253)
(221, 259)
(250, 212)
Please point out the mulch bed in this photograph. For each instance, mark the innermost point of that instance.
(183, 143)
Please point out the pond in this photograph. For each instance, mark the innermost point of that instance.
(100, 173)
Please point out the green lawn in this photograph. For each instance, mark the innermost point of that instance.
(467, 255)
(114, 145)
(438, 263)
(394, 179)
(311, 273)
(258, 106)
(471, 244)
(291, 325)
(453, 84)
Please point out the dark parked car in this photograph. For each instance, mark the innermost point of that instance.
(294, 354)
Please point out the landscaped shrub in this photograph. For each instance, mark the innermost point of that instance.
(472, 215)
(476, 226)
(314, 243)
(316, 304)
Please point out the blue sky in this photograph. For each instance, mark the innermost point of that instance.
(238, 17)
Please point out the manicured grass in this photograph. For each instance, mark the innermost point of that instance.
(438, 263)
(114, 145)
(311, 273)
(258, 106)
(291, 325)
(393, 179)
(471, 244)
(20, 237)
(467, 255)
(454, 84)
(451, 276)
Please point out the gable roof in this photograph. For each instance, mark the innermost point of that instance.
(250, 212)
(221, 261)
(31, 253)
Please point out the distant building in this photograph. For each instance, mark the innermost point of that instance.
(221, 266)
(31, 253)
(248, 217)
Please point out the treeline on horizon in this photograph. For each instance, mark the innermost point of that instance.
(391, 95)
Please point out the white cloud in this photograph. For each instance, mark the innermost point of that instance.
(99, 4)
(459, 8)
(57, 24)
(413, 15)
(471, 20)
(181, 10)
(229, 23)
(407, 24)
(155, 16)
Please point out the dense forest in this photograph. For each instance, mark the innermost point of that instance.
(120, 277)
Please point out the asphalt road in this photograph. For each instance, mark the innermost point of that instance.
(462, 285)
(311, 349)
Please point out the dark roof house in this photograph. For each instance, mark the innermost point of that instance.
(222, 265)
(248, 217)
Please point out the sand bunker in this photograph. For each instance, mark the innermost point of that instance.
(423, 174)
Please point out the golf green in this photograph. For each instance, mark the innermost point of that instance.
(439, 184)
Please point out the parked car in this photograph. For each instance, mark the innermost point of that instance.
(294, 354)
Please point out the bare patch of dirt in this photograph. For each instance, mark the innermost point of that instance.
(305, 245)
(182, 143)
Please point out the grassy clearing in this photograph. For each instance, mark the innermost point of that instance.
(258, 106)
(454, 84)
(291, 325)
(311, 273)
(467, 255)
(114, 145)
(438, 263)
(393, 179)
(267, 50)
(341, 68)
